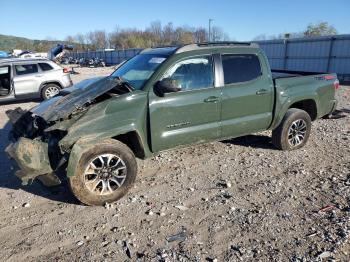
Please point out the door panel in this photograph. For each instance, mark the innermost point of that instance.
(191, 115)
(29, 81)
(246, 106)
(184, 118)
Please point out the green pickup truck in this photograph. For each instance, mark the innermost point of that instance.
(161, 99)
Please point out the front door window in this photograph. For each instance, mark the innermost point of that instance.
(193, 73)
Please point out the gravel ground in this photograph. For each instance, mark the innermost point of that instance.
(224, 201)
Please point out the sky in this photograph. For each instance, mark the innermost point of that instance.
(242, 20)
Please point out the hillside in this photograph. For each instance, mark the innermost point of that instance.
(7, 43)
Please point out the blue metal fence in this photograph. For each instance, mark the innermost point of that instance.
(111, 57)
(316, 54)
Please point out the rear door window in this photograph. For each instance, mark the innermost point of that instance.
(26, 69)
(240, 68)
(45, 66)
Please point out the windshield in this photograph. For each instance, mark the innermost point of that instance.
(139, 69)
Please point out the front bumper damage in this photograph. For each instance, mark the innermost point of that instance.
(33, 160)
(31, 155)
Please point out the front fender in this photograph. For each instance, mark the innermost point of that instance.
(79, 148)
(116, 116)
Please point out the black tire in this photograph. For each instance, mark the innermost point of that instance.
(297, 118)
(78, 181)
(47, 88)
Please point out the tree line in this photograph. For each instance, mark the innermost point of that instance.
(312, 30)
(154, 35)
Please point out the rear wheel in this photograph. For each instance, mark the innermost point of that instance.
(50, 90)
(106, 173)
(294, 130)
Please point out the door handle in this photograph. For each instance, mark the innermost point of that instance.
(211, 99)
(38, 75)
(262, 92)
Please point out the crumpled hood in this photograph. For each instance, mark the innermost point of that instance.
(74, 98)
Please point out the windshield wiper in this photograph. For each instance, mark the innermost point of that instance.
(125, 82)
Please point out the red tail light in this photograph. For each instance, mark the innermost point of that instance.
(65, 70)
(336, 84)
(329, 77)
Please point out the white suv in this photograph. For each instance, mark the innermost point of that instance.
(31, 78)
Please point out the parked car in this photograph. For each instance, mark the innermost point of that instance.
(31, 78)
(161, 99)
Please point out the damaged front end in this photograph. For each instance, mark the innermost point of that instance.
(32, 159)
(36, 152)
(36, 133)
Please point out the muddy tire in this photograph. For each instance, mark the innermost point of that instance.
(293, 131)
(49, 91)
(106, 172)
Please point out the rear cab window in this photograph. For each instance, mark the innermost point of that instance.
(25, 69)
(45, 66)
(240, 68)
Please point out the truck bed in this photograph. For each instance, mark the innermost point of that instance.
(277, 73)
(312, 86)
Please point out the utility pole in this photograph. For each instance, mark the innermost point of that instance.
(209, 36)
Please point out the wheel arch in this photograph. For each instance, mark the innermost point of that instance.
(131, 139)
(308, 105)
(45, 83)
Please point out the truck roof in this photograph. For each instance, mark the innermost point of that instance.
(168, 50)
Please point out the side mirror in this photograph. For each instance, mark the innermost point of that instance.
(166, 85)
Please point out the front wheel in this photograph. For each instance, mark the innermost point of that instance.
(106, 173)
(293, 131)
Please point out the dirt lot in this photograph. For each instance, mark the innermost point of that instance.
(224, 201)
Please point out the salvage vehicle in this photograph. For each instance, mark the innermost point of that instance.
(161, 99)
(31, 78)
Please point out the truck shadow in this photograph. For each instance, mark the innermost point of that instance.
(254, 141)
(8, 179)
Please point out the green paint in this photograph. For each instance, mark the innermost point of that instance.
(27, 159)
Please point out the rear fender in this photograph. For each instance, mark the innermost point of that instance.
(283, 103)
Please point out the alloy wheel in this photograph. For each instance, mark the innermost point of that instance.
(51, 91)
(105, 174)
(296, 132)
